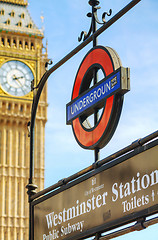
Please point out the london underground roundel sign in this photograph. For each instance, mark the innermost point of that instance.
(104, 97)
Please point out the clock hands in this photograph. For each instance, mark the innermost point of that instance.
(19, 82)
(17, 79)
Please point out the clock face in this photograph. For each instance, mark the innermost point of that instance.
(15, 78)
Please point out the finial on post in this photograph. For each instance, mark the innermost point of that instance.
(94, 2)
(94, 19)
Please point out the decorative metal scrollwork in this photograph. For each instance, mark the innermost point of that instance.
(104, 15)
(94, 19)
(84, 34)
(50, 62)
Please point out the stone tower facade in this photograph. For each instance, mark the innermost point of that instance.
(22, 59)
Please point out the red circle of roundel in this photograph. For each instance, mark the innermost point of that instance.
(94, 137)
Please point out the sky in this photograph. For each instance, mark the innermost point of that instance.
(135, 39)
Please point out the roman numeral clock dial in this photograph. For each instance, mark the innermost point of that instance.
(15, 78)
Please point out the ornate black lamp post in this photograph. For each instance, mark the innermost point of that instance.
(92, 35)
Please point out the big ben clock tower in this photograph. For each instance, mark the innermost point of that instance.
(21, 61)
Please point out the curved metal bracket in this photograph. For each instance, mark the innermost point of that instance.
(31, 187)
(60, 63)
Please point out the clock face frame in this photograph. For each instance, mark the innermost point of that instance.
(15, 78)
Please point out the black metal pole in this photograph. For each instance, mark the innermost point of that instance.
(31, 187)
(94, 3)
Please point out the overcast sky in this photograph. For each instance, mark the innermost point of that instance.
(135, 38)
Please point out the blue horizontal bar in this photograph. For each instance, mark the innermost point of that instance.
(95, 95)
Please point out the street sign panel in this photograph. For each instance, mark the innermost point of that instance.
(117, 193)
